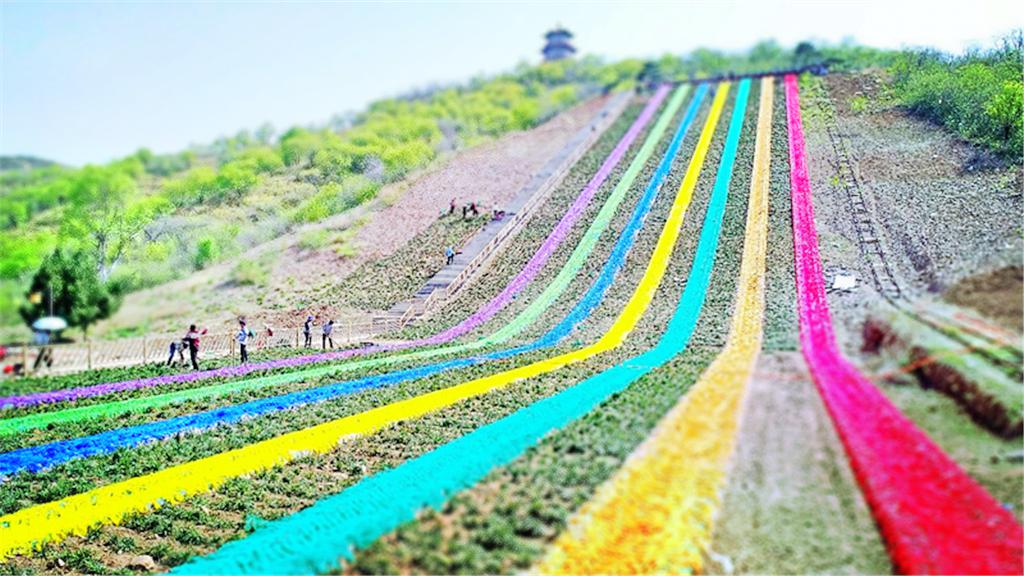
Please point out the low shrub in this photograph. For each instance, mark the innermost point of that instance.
(979, 95)
(249, 273)
(207, 252)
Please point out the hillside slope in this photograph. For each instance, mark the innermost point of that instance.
(294, 269)
(946, 210)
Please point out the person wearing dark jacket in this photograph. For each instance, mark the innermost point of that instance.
(307, 331)
(328, 330)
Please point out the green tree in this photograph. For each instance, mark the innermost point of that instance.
(806, 54)
(107, 212)
(67, 283)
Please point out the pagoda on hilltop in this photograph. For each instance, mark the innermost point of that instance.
(559, 45)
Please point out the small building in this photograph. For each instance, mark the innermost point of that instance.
(558, 45)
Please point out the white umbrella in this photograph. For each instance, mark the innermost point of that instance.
(50, 324)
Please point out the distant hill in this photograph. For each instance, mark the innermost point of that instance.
(10, 163)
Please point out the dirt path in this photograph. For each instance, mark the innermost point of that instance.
(791, 504)
(298, 272)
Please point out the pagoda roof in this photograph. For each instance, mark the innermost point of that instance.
(558, 31)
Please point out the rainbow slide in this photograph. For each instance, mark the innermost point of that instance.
(22, 530)
(333, 527)
(51, 454)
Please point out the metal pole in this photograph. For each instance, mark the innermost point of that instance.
(88, 354)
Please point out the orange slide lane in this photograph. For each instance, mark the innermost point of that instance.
(656, 514)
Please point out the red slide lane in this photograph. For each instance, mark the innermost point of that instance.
(934, 517)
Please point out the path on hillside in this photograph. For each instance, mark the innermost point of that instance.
(490, 174)
(473, 256)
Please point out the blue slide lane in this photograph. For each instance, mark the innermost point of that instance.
(312, 541)
(44, 456)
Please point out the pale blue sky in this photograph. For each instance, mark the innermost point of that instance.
(87, 82)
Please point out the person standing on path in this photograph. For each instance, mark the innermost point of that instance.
(449, 254)
(191, 340)
(328, 329)
(307, 331)
(243, 339)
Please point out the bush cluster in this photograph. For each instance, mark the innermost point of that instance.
(979, 95)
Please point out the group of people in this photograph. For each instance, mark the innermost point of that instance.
(190, 341)
(327, 330)
(467, 209)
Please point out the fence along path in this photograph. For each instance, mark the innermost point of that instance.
(75, 357)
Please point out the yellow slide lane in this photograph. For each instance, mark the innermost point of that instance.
(22, 530)
(656, 513)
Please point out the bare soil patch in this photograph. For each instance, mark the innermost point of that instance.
(997, 295)
(792, 505)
